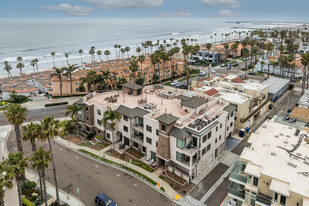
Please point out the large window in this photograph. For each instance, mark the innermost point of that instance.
(208, 147)
(125, 128)
(180, 157)
(209, 135)
(163, 127)
(148, 140)
(282, 200)
(157, 132)
(98, 112)
(181, 143)
(108, 136)
(204, 151)
(204, 138)
(255, 181)
(99, 122)
(148, 128)
(125, 118)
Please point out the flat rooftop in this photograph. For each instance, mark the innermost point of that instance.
(304, 100)
(276, 162)
(275, 84)
(151, 101)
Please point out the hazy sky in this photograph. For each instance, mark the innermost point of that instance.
(280, 10)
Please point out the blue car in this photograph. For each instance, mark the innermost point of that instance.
(104, 200)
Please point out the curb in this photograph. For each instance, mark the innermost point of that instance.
(118, 168)
(51, 185)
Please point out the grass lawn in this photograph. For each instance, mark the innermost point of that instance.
(87, 144)
(82, 95)
(259, 74)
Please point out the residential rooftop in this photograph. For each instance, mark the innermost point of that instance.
(268, 155)
(275, 84)
(304, 100)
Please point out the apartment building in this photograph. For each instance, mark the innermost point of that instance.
(304, 100)
(206, 56)
(179, 130)
(274, 169)
(249, 98)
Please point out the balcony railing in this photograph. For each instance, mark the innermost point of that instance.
(237, 190)
(237, 174)
(263, 199)
(190, 150)
(138, 127)
(138, 138)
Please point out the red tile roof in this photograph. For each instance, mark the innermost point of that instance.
(211, 92)
(237, 80)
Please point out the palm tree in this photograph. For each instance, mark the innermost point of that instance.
(36, 61)
(81, 57)
(106, 76)
(262, 66)
(16, 115)
(106, 53)
(245, 55)
(99, 53)
(32, 132)
(90, 78)
(305, 63)
(68, 71)
(274, 65)
(116, 46)
(50, 129)
(40, 161)
(32, 63)
(208, 46)
(127, 49)
(73, 110)
(6, 178)
(20, 64)
(133, 68)
(53, 55)
(269, 48)
(58, 73)
(141, 59)
(18, 165)
(7, 68)
(187, 70)
(111, 116)
(234, 48)
(66, 55)
(138, 50)
(226, 47)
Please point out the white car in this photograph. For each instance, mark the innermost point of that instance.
(213, 71)
(202, 73)
(174, 83)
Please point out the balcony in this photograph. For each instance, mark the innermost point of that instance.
(263, 200)
(237, 174)
(138, 138)
(137, 127)
(237, 191)
(190, 149)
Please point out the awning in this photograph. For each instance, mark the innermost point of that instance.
(280, 187)
(118, 133)
(253, 170)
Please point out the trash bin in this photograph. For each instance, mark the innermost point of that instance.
(242, 133)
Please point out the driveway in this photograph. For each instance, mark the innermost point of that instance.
(219, 194)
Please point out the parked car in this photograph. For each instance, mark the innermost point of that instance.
(292, 80)
(202, 74)
(235, 65)
(104, 200)
(251, 73)
(173, 83)
(286, 118)
(293, 120)
(213, 71)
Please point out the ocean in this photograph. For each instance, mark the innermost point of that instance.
(37, 38)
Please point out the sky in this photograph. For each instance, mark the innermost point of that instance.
(275, 10)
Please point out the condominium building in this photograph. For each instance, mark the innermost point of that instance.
(249, 98)
(180, 130)
(274, 169)
(206, 56)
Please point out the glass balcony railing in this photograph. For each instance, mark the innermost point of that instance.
(237, 173)
(237, 190)
(264, 199)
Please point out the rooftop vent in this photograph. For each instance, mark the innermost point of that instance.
(276, 136)
(292, 164)
(285, 142)
(292, 145)
(281, 134)
(264, 126)
(288, 136)
(273, 154)
(306, 162)
(306, 174)
(307, 157)
(299, 154)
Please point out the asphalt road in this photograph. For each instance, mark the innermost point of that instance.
(91, 177)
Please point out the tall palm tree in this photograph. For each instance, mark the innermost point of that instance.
(116, 46)
(16, 115)
(133, 68)
(81, 57)
(269, 48)
(66, 55)
(90, 79)
(305, 63)
(245, 55)
(111, 116)
(20, 64)
(226, 47)
(187, 70)
(106, 77)
(274, 64)
(58, 73)
(31, 133)
(92, 52)
(18, 163)
(7, 68)
(36, 61)
(50, 129)
(53, 56)
(122, 50)
(32, 63)
(73, 110)
(208, 46)
(40, 161)
(99, 53)
(106, 53)
(138, 50)
(141, 59)
(6, 178)
(127, 49)
(68, 71)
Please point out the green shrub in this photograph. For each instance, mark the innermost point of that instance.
(142, 165)
(56, 104)
(27, 202)
(90, 136)
(174, 185)
(162, 188)
(29, 185)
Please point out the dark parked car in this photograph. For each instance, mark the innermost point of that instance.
(251, 73)
(104, 200)
(235, 65)
(286, 118)
(292, 80)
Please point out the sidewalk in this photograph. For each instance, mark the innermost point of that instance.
(41, 104)
(11, 195)
(102, 153)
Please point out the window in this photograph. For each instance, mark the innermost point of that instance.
(99, 131)
(216, 128)
(87, 109)
(148, 128)
(228, 117)
(204, 151)
(76, 83)
(181, 143)
(282, 200)
(135, 145)
(208, 147)
(180, 157)
(204, 138)
(275, 197)
(148, 140)
(209, 135)
(157, 132)
(249, 179)
(108, 136)
(220, 137)
(77, 89)
(227, 129)
(231, 125)
(99, 122)
(163, 127)
(98, 112)
(232, 114)
(255, 181)
(125, 128)
(156, 144)
(216, 140)
(125, 118)
(87, 118)
(220, 125)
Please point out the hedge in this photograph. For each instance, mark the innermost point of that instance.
(119, 165)
(142, 165)
(55, 104)
(27, 202)
(162, 188)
